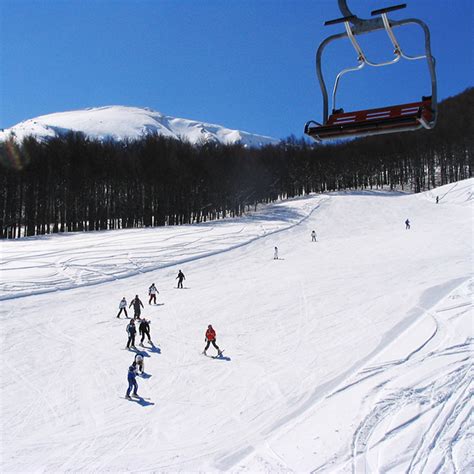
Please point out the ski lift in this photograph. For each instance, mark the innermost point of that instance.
(394, 118)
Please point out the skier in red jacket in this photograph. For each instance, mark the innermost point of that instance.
(211, 338)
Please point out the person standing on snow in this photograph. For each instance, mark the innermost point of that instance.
(144, 330)
(136, 302)
(122, 307)
(275, 254)
(180, 279)
(407, 224)
(211, 338)
(152, 291)
(132, 381)
(313, 236)
(131, 331)
(139, 364)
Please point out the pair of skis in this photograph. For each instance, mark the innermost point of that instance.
(218, 356)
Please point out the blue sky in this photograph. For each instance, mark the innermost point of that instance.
(244, 64)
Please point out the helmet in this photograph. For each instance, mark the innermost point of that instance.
(210, 326)
(139, 358)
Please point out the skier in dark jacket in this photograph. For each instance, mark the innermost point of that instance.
(136, 302)
(131, 331)
(180, 279)
(144, 330)
(407, 224)
(132, 381)
(211, 339)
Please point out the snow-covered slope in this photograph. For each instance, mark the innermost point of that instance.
(350, 354)
(129, 123)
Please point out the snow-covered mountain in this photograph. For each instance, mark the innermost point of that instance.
(119, 123)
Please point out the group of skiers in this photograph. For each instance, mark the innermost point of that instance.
(143, 330)
(138, 367)
(275, 250)
(137, 303)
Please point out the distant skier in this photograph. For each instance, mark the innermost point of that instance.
(132, 381)
(313, 236)
(275, 254)
(144, 330)
(139, 364)
(122, 307)
(136, 302)
(180, 279)
(152, 291)
(437, 199)
(131, 331)
(211, 338)
(407, 224)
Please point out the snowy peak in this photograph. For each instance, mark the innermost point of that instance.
(119, 123)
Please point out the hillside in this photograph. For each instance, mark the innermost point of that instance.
(350, 354)
(119, 123)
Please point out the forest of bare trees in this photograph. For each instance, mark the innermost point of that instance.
(73, 183)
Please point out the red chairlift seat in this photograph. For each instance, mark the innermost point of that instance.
(395, 118)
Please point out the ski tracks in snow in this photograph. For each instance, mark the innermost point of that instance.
(63, 262)
(421, 400)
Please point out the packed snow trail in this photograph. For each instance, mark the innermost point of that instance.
(48, 263)
(370, 320)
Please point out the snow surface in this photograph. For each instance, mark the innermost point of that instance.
(350, 354)
(119, 123)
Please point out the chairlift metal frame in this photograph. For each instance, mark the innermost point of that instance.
(398, 118)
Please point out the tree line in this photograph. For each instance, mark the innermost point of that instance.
(73, 183)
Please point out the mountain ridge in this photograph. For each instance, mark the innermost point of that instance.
(122, 123)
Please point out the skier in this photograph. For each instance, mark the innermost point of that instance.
(313, 236)
(180, 279)
(132, 381)
(152, 291)
(123, 307)
(407, 224)
(275, 254)
(144, 330)
(139, 364)
(136, 302)
(437, 199)
(131, 331)
(211, 338)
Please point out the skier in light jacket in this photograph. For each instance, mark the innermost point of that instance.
(152, 291)
(122, 307)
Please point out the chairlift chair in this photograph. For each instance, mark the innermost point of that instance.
(394, 118)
